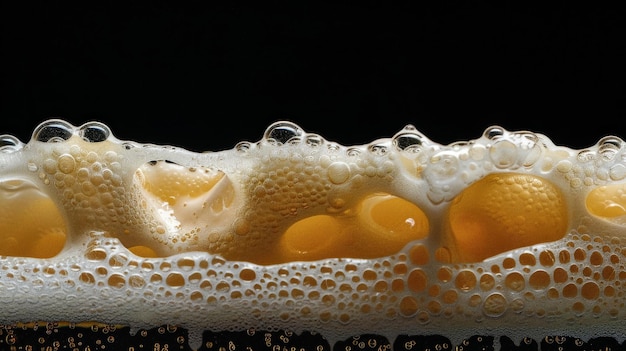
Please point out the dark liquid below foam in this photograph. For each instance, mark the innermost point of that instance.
(51, 338)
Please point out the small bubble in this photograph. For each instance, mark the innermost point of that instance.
(617, 172)
(283, 132)
(338, 172)
(612, 143)
(493, 132)
(53, 131)
(66, 163)
(314, 140)
(9, 143)
(560, 339)
(372, 343)
(8, 140)
(408, 141)
(503, 153)
(377, 149)
(10, 339)
(243, 147)
(353, 151)
(495, 305)
(94, 132)
(586, 156)
(32, 167)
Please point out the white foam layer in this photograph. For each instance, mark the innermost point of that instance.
(215, 219)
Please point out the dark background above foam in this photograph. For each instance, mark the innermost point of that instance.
(205, 75)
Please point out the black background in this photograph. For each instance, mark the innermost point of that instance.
(205, 75)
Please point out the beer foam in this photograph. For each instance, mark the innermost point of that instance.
(505, 234)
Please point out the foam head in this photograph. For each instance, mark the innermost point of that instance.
(507, 232)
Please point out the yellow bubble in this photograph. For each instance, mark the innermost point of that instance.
(66, 163)
(502, 212)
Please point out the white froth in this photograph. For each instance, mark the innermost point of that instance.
(210, 217)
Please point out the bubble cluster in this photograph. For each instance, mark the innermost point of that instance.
(505, 232)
